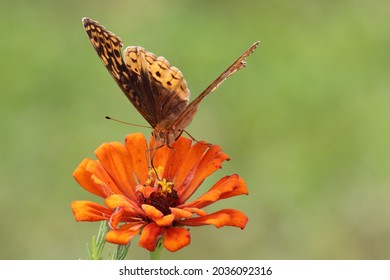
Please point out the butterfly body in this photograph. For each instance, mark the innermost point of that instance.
(157, 90)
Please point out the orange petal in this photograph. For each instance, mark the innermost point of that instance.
(206, 199)
(188, 167)
(225, 217)
(180, 213)
(124, 234)
(152, 212)
(181, 148)
(115, 159)
(210, 162)
(196, 211)
(88, 211)
(176, 238)
(150, 235)
(146, 191)
(116, 217)
(231, 186)
(163, 157)
(136, 146)
(237, 218)
(226, 187)
(165, 221)
(92, 177)
(118, 200)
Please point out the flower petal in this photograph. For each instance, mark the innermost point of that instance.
(176, 238)
(180, 213)
(150, 235)
(206, 199)
(88, 211)
(152, 212)
(231, 186)
(186, 171)
(170, 158)
(196, 211)
(145, 191)
(115, 160)
(124, 234)
(225, 217)
(226, 187)
(137, 147)
(116, 217)
(118, 200)
(165, 221)
(92, 177)
(211, 161)
(162, 157)
(181, 147)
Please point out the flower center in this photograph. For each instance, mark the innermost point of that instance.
(159, 193)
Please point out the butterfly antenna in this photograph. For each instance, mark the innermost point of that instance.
(127, 123)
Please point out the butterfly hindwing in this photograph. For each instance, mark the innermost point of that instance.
(169, 93)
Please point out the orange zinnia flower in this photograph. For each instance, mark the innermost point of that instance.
(153, 201)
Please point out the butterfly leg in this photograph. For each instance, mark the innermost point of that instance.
(193, 139)
(150, 152)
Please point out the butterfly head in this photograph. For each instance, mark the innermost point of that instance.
(165, 136)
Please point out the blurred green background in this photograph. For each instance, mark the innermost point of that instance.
(306, 123)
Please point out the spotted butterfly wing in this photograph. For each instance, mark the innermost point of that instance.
(157, 90)
(133, 75)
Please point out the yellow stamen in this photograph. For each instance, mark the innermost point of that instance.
(166, 187)
(163, 186)
(148, 183)
(159, 170)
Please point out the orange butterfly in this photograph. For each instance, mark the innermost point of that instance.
(157, 90)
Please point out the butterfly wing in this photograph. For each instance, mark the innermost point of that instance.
(169, 92)
(157, 90)
(186, 117)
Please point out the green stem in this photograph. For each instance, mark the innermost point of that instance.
(95, 251)
(156, 254)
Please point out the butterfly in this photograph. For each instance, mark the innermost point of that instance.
(157, 90)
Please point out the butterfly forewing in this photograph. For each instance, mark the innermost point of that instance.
(152, 90)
